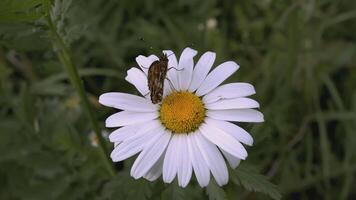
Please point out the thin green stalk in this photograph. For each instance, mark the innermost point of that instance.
(64, 56)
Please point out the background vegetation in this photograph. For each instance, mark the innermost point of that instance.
(300, 55)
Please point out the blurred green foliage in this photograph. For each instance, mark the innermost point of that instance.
(300, 55)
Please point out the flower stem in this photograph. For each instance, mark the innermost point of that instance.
(64, 56)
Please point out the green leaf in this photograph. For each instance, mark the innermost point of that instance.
(215, 192)
(143, 190)
(123, 186)
(174, 192)
(12, 11)
(248, 178)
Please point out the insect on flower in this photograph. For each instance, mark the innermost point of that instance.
(157, 73)
(191, 129)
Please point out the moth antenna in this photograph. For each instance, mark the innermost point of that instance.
(147, 45)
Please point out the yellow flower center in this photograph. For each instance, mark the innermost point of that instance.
(182, 112)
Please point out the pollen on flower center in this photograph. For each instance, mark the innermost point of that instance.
(182, 112)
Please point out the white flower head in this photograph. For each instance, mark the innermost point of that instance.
(191, 130)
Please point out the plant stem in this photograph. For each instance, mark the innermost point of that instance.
(64, 56)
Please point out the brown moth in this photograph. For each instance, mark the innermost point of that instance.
(156, 75)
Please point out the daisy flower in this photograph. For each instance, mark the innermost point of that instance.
(191, 129)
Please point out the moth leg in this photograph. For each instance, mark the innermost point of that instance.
(144, 67)
(170, 84)
(169, 54)
(175, 69)
(146, 94)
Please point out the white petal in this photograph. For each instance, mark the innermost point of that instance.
(156, 170)
(233, 161)
(152, 58)
(150, 154)
(223, 140)
(136, 143)
(184, 163)
(213, 159)
(172, 73)
(237, 103)
(201, 69)
(127, 102)
(168, 88)
(139, 79)
(217, 76)
(200, 167)
(229, 91)
(186, 64)
(145, 62)
(237, 115)
(235, 131)
(125, 118)
(123, 133)
(170, 165)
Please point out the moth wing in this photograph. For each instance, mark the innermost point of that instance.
(152, 75)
